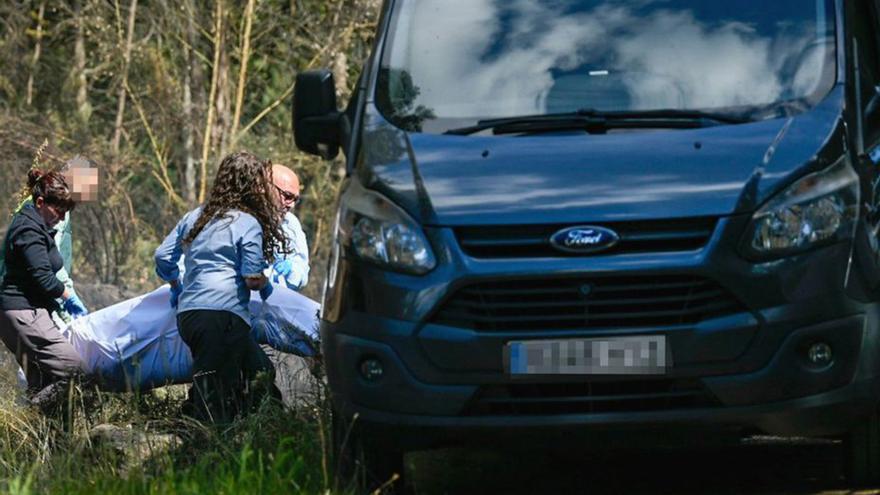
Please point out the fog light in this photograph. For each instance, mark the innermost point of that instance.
(820, 354)
(372, 369)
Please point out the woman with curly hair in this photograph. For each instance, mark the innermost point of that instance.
(227, 243)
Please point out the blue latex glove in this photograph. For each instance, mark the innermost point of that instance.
(266, 291)
(281, 269)
(74, 307)
(175, 294)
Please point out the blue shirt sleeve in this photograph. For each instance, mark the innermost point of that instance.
(250, 247)
(299, 257)
(168, 253)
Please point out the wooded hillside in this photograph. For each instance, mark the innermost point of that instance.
(156, 92)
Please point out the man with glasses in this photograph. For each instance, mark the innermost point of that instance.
(295, 376)
(293, 267)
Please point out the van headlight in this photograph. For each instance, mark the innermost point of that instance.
(818, 209)
(378, 231)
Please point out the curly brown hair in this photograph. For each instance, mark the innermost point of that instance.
(243, 183)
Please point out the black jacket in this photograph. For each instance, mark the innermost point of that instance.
(32, 260)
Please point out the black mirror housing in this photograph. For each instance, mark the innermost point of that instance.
(315, 116)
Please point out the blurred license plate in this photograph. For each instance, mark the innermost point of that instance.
(632, 355)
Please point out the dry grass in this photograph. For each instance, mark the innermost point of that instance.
(139, 444)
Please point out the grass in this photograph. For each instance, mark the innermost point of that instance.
(139, 444)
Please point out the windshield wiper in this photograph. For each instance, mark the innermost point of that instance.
(597, 121)
(779, 109)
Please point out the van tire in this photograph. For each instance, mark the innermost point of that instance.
(365, 460)
(862, 451)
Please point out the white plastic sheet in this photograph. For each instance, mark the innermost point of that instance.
(134, 345)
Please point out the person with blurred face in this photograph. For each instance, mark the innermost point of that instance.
(31, 289)
(81, 175)
(292, 268)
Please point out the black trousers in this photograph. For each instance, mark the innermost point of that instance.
(231, 374)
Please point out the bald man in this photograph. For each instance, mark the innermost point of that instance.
(293, 267)
(292, 372)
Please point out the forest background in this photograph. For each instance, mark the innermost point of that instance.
(156, 92)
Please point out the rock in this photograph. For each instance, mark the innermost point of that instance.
(133, 447)
(293, 377)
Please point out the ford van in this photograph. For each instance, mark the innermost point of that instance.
(587, 216)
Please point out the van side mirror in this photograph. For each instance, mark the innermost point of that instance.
(315, 116)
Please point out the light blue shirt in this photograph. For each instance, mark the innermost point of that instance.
(224, 252)
(299, 255)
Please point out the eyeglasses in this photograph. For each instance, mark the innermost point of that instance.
(57, 209)
(289, 196)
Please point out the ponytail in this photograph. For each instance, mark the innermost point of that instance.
(34, 176)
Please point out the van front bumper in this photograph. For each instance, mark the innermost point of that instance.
(786, 396)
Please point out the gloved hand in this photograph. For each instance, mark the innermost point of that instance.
(74, 307)
(281, 269)
(266, 291)
(175, 294)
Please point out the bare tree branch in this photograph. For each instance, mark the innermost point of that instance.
(160, 170)
(242, 71)
(38, 34)
(266, 111)
(126, 61)
(209, 120)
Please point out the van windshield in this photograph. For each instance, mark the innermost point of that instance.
(451, 63)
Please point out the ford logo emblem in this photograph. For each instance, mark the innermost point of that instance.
(586, 239)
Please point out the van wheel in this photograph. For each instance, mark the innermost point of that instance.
(862, 451)
(365, 459)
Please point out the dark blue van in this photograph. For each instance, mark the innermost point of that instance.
(597, 215)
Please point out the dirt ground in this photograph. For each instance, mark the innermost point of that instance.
(757, 465)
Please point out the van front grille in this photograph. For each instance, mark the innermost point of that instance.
(533, 241)
(590, 397)
(585, 303)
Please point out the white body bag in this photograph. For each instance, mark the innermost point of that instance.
(134, 345)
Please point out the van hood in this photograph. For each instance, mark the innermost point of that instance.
(568, 178)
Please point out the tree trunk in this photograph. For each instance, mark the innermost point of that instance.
(83, 108)
(242, 70)
(37, 48)
(223, 120)
(209, 119)
(189, 174)
(126, 61)
(193, 79)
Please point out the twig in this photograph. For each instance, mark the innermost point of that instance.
(163, 179)
(324, 451)
(391, 481)
(204, 58)
(266, 111)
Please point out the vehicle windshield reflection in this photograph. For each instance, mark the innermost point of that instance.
(450, 63)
